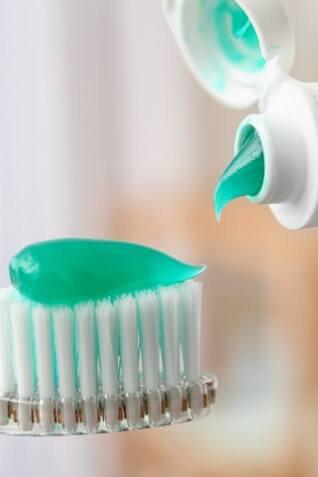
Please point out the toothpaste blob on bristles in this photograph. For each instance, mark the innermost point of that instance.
(71, 271)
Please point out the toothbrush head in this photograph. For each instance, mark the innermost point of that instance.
(104, 363)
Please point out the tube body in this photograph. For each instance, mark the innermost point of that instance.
(288, 130)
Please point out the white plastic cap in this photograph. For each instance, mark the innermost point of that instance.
(288, 130)
(235, 48)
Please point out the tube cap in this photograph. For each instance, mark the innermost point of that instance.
(236, 49)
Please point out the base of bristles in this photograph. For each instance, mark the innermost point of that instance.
(105, 414)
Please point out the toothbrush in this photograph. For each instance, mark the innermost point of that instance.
(100, 336)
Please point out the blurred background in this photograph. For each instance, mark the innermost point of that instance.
(104, 133)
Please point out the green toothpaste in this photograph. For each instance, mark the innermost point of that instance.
(244, 177)
(70, 271)
(237, 36)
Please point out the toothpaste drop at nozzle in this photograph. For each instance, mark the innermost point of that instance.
(244, 176)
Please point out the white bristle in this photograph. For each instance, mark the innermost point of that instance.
(75, 353)
(7, 381)
(170, 339)
(108, 347)
(127, 314)
(191, 328)
(43, 351)
(64, 345)
(22, 348)
(149, 315)
(87, 350)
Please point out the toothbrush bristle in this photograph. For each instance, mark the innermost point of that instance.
(140, 350)
(170, 334)
(149, 319)
(128, 339)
